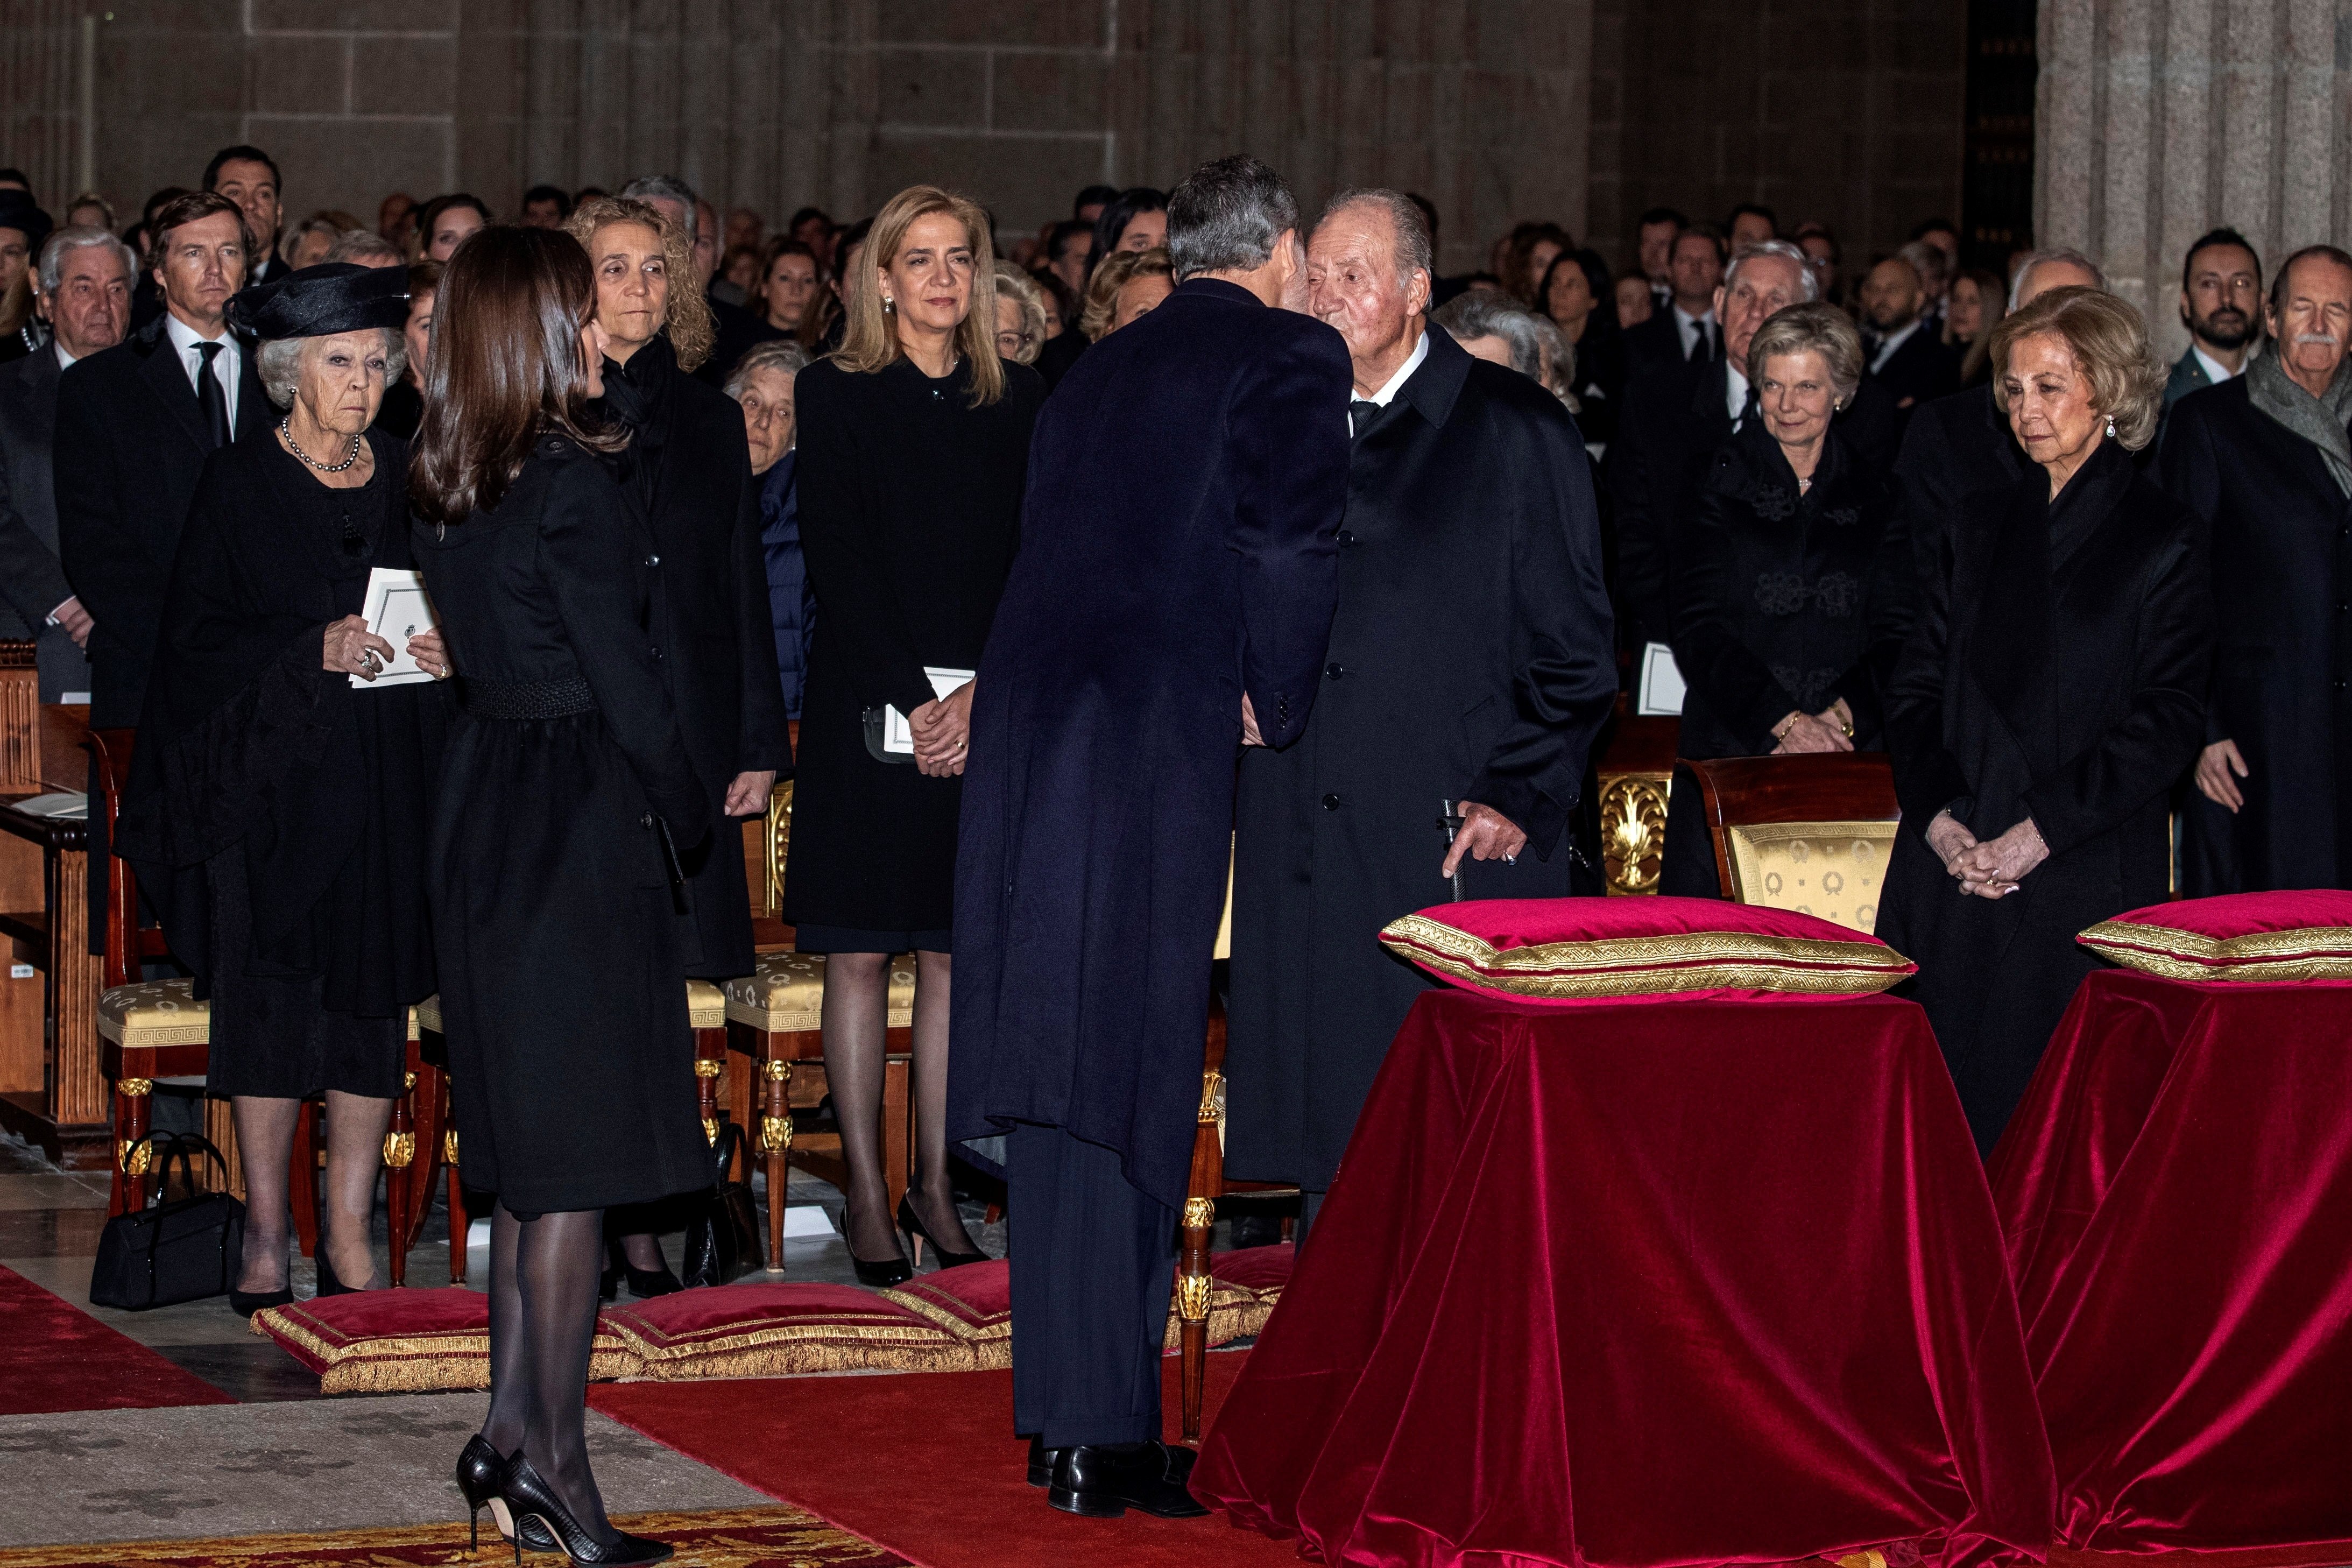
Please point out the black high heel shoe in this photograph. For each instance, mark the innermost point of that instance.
(893, 1270)
(479, 1465)
(328, 1284)
(528, 1498)
(912, 1224)
(643, 1283)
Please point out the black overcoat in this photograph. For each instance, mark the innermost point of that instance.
(1953, 449)
(561, 943)
(1471, 658)
(130, 449)
(1186, 483)
(689, 469)
(2281, 537)
(1924, 369)
(32, 578)
(2057, 671)
(909, 510)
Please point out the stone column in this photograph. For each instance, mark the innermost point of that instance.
(2159, 119)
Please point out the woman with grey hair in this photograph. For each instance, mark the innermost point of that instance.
(1788, 563)
(1020, 315)
(278, 807)
(762, 382)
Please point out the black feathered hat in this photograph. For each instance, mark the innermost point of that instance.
(19, 211)
(318, 302)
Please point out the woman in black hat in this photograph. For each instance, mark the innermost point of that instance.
(23, 227)
(280, 798)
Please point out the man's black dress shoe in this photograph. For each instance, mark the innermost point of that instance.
(1104, 1480)
(1042, 1460)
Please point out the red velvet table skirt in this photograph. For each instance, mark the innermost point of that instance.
(2178, 1193)
(1646, 1283)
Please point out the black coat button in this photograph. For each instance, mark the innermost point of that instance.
(1332, 802)
(654, 651)
(1334, 671)
(653, 559)
(647, 820)
(1346, 538)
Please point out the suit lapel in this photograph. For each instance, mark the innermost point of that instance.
(253, 411)
(168, 380)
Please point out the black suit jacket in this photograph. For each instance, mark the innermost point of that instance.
(2280, 539)
(32, 581)
(1178, 550)
(1658, 342)
(1922, 370)
(1952, 448)
(131, 444)
(1470, 659)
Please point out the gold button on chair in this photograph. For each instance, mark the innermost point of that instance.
(1810, 834)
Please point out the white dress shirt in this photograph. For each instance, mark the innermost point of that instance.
(1689, 326)
(2215, 371)
(1735, 392)
(1395, 383)
(1888, 344)
(226, 363)
(64, 359)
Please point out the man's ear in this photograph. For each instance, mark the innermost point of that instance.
(1419, 292)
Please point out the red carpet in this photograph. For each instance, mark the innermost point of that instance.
(926, 1464)
(60, 1358)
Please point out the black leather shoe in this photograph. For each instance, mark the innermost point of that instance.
(1042, 1460)
(529, 1499)
(479, 1465)
(328, 1285)
(1104, 1480)
(245, 1303)
(944, 1257)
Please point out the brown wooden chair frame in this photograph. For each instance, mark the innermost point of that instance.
(1837, 787)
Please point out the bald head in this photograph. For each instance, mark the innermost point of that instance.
(2052, 270)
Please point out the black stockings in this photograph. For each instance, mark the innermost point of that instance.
(856, 1014)
(265, 1140)
(543, 1276)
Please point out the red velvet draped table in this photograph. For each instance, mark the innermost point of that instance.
(1646, 1283)
(2178, 1193)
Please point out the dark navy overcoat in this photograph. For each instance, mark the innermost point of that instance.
(1186, 483)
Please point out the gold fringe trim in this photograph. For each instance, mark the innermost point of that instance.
(1651, 966)
(961, 1327)
(2305, 952)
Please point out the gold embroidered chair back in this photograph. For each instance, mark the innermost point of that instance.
(1811, 833)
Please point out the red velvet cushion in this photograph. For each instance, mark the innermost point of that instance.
(777, 1329)
(2301, 935)
(1563, 952)
(385, 1342)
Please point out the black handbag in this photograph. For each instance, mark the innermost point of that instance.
(722, 1239)
(168, 1253)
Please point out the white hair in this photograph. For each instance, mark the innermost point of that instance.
(2035, 258)
(669, 187)
(776, 354)
(80, 236)
(279, 360)
(1413, 252)
(1808, 279)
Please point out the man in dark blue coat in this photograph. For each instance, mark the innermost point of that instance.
(1171, 600)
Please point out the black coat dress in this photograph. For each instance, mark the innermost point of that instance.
(2058, 671)
(689, 470)
(558, 928)
(910, 511)
(1177, 551)
(2280, 536)
(277, 815)
(1471, 658)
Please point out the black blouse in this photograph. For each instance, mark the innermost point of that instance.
(1777, 595)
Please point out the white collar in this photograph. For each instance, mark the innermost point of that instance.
(1735, 395)
(184, 338)
(1893, 340)
(64, 359)
(2215, 371)
(1687, 320)
(1395, 383)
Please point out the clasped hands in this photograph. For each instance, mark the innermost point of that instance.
(1993, 867)
(942, 730)
(1824, 732)
(350, 648)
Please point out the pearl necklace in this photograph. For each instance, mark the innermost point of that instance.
(286, 429)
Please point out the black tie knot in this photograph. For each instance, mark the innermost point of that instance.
(1363, 414)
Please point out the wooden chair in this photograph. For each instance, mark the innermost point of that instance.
(1810, 833)
(1635, 771)
(1208, 1184)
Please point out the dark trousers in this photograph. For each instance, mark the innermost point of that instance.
(1092, 1262)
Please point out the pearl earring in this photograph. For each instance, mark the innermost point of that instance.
(889, 304)
(2111, 426)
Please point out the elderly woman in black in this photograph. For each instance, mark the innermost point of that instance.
(2052, 694)
(688, 467)
(914, 449)
(569, 802)
(1786, 570)
(278, 807)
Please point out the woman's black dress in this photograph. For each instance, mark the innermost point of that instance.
(278, 815)
(2057, 671)
(556, 914)
(688, 467)
(1776, 597)
(910, 510)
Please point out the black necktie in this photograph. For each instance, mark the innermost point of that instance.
(210, 396)
(1700, 349)
(1363, 414)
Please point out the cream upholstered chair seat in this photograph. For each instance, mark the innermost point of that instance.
(1834, 870)
(706, 1008)
(150, 1012)
(785, 994)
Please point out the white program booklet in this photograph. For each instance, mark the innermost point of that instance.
(897, 735)
(1661, 691)
(397, 608)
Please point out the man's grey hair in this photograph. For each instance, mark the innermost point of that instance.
(80, 236)
(1929, 262)
(1808, 280)
(2035, 258)
(1226, 216)
(1535, 342)
(781, 355)
(365, 247)
(1414, 252)
(646, 187)
(279, 360)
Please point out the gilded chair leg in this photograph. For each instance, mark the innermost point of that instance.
(459, 1222)
(1193, 1287)
(775, 1148)
(399, 1153)
(131, 1124)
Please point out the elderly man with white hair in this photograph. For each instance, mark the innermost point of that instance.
(82, 288)
(1469, 670)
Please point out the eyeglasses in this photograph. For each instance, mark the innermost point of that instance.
(1011, 343)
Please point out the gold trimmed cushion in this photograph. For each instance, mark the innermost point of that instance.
(408, 1342)
(2305, 934)
(1566, 951)
(154, 1013)
(1836, 870)
(786, 995)
(706, 1008)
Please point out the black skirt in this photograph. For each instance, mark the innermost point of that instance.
(272, 1034)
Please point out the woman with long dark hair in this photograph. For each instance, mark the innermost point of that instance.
(567, 803)
(914, 450)
(1576, 295)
